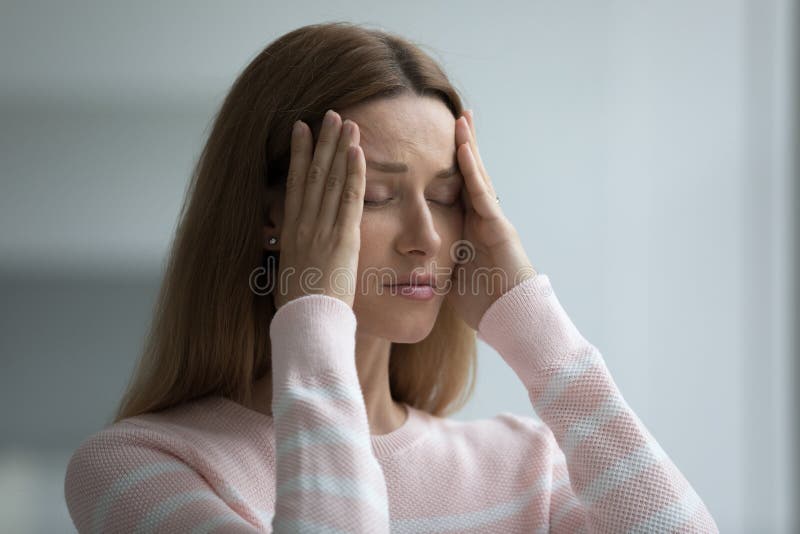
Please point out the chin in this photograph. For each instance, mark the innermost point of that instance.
(408, 328)
(410, 336)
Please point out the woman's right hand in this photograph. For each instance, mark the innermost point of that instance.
(321, 234)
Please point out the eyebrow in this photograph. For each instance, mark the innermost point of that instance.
(398, 167)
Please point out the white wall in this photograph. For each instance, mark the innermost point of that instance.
(642, 150)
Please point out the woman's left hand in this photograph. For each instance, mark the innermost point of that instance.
(490, 259)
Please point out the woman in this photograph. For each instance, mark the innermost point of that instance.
(317, 324)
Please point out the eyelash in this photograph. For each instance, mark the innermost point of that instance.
(373, 203)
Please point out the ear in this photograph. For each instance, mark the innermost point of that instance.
(274, 201)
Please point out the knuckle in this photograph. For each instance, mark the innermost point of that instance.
(292, 181)
(315, 173)
(333, 181)
(321, 236)
(303, 233)
(350, 194)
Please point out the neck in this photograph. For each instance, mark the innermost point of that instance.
(372, 363)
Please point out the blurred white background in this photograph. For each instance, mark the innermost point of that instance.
(643, 149)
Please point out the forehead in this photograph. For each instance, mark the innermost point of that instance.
(406, 129)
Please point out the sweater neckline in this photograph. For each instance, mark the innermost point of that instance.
(383, 445)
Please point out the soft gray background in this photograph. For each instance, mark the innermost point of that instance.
(642, 149)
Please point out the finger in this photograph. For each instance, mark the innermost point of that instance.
(296, 177)
(337, 175)
(352, 200)
(318, 169)
(473, 141)
(480, 196)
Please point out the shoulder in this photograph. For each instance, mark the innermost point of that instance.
(170, 468)
(133, 448)
(191, 440)
(125, 443)
(205, 423)
(505, 435)
(523, 424)
(114, 444)
(111, 463)
(523, 428)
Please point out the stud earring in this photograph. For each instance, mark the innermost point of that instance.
(273, 240)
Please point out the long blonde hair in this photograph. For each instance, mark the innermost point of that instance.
(210, 331)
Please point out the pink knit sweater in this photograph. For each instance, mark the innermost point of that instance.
(212, 465)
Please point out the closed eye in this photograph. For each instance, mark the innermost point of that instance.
(386, 201)
(376, 202)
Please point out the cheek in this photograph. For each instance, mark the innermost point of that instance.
(373, 230)
(452, 224)
(375, 227)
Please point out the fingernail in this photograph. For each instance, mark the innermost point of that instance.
(296, 128)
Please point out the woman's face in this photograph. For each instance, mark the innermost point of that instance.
(413, 212)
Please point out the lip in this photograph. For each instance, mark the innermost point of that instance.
(413, 292)
(414, 286)
(425, 279)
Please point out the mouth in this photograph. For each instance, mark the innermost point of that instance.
(422, 291)
(417, 280)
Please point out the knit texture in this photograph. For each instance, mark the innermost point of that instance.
(212, 465)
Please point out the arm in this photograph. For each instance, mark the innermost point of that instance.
(617, 477)
(326, 474)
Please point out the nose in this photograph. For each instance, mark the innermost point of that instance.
(418, 234)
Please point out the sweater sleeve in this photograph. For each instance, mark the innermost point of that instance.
(616, 476)
(327, 477)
